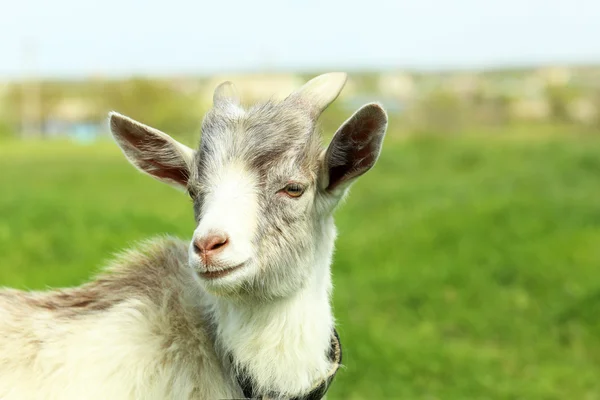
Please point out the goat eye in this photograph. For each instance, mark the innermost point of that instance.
(191, 193)
(293, 189)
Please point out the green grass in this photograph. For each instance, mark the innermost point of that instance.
(466, 268)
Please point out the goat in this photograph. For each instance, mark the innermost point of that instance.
(243, 308)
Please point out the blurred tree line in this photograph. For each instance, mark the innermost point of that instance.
(153, 101)
(560, 97)
(437, 103)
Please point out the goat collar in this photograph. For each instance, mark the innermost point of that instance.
(319, 389)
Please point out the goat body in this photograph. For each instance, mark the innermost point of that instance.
(248, 295)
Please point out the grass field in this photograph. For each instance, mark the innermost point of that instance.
(466, 268)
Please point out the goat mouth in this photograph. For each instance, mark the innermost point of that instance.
(220, 273)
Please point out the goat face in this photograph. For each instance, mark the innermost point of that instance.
(263, 189)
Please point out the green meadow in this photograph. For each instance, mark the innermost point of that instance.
(466, 267)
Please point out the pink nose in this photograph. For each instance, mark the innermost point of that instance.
(209, 245)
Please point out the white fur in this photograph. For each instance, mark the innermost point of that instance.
(302, 325)
(230, 208)
(114, 355)
(120, 354)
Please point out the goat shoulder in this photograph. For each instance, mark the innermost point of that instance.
(137, 330)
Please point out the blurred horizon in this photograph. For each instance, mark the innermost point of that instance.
(66, 39)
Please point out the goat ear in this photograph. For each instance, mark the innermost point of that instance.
(354, 148)
(321, 91)
(152, 151)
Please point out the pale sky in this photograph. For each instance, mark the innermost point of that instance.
(161, 37)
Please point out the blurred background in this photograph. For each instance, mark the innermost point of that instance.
(468, 261)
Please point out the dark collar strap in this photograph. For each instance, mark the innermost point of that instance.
(319, 389)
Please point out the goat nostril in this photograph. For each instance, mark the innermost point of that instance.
(218, 244)
(209, 244)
